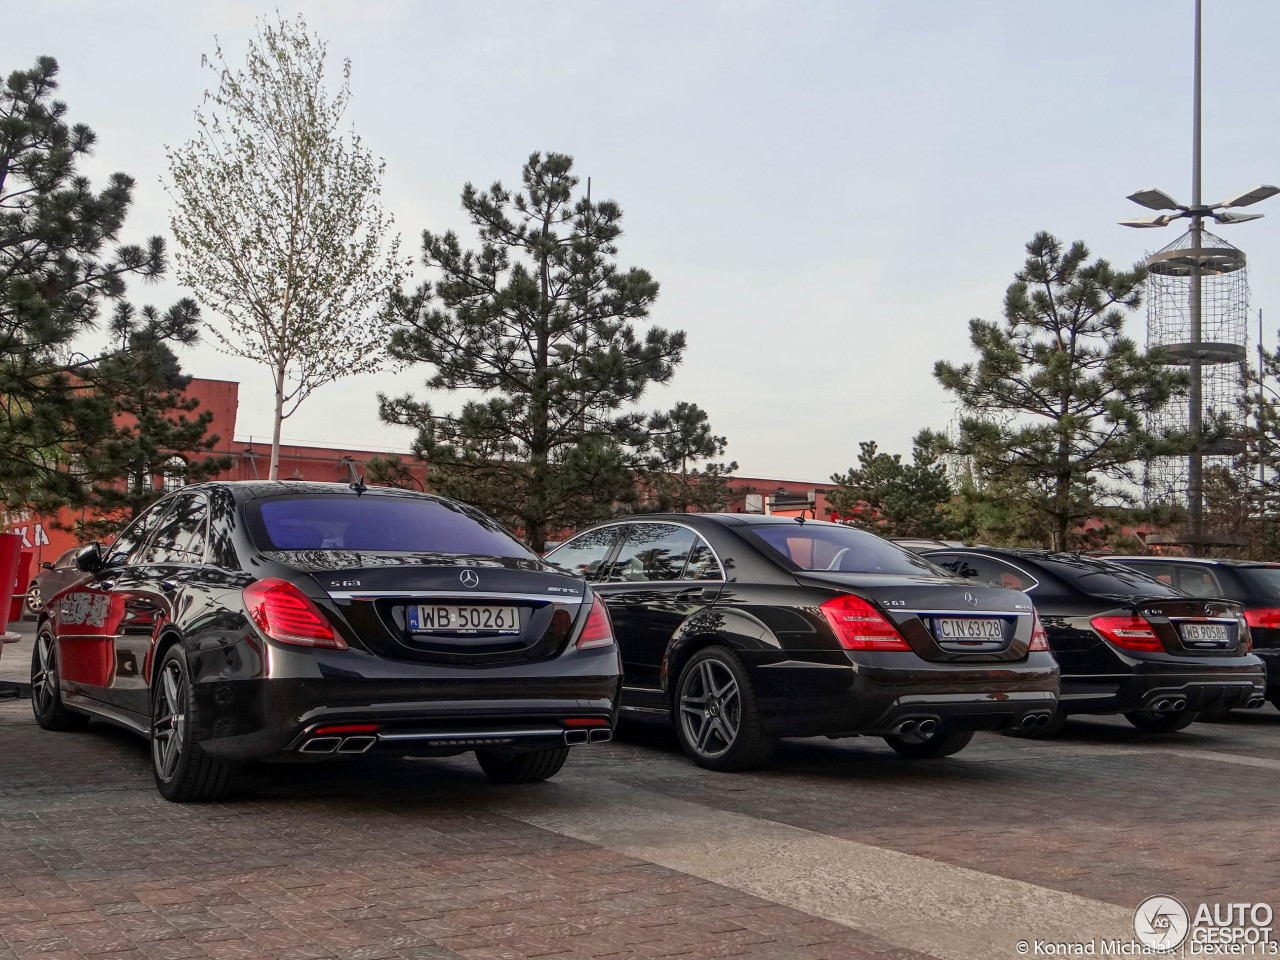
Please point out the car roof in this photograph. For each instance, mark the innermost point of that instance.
(724, 519)
(254, 489)
(1212, 561)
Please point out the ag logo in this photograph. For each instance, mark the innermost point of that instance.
(469, 578)
(1161, 923)
(970, 599)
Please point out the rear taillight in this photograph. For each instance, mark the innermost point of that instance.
(1039, 639)
(860, 626)
(598, 630)
(1266, 618)
(1131, 633)
(284, 613)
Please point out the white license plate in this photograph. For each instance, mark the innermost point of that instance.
(1205, 632)
(969, 628)
(460, 618)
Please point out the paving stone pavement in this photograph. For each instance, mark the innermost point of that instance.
(381, 858)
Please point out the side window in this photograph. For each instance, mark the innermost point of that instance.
(125, 548)
(181, 538)
(984, 570)
(583, 556)
(1161, 571)
(653, 551)
(67, 560)
(702, 563)
(1196, 580)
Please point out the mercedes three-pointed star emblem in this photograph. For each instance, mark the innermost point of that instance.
(970, 599)
(469, 578)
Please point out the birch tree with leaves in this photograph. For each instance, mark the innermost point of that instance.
(278, 219)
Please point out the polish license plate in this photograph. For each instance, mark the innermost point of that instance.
(969, 628)
(463, 618)
(1205, 632)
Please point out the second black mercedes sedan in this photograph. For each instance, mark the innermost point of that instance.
(742, 629)
(1126, 642)
(296, 621)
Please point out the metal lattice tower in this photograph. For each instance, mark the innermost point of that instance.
(1219, 347)
(1198, 279)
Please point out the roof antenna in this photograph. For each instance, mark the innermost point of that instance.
(358, 485)
(800, 519)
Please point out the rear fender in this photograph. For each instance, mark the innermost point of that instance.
(735, 629)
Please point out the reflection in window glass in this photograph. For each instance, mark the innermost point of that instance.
(125, 548)
(1197, 581)
(583, 555)
(824, 546)
(653, 551)
(984, 570)
(702, 564)
(181, 538)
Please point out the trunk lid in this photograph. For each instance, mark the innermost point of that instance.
(446, 608)
(1193, 627)
(943, 620)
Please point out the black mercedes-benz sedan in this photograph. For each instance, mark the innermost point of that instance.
(1126, 642)
(1253, 584)
(257, 620)
(742, 629)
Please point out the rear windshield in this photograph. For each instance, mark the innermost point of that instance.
(377, 524)
(840, 549)
(1108, 579)
(1265, 580)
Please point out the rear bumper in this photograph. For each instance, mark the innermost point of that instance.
(876, 696)
(1234, 683)
(1271, 657)
(425, 710)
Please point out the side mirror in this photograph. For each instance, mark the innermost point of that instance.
(90, 558)
(46, 565)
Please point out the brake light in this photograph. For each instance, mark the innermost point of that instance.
(1039, 639)
(1131, 633)
(860, 626)
(598, 630)
(585, 722)
(1267, 618)
(285, 613)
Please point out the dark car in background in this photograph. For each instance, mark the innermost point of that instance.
(742, 629)
(1126, 643)
(1254, 585)
(276, 621)
(52, 577)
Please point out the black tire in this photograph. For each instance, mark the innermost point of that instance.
(940, 743)
(528, 767)
(717, 715)
(46, 698)
(184, 773)
(1161, 722)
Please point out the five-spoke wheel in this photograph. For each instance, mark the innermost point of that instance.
(183, 770)
(717, 717)
(32, 603)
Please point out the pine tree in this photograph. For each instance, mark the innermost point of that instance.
(542, 323)
(61, 264)
(1056, 403)
(154, 435)
(678, 468)
(892, 498)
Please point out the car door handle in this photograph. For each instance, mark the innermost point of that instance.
(699, 593)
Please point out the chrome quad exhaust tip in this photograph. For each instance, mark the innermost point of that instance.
(1255, 702)
(320, 745)
(357, 744)
(601, 735)
(926, 726)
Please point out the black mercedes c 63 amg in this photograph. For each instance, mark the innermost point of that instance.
(256, 620)
(742, 629)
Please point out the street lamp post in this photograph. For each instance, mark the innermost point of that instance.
(1196, 212)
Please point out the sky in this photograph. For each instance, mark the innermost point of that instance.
(827, 192)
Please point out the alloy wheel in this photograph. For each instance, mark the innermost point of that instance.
(169, 722)
(33, 599)
(44, 678)
(710, 708)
